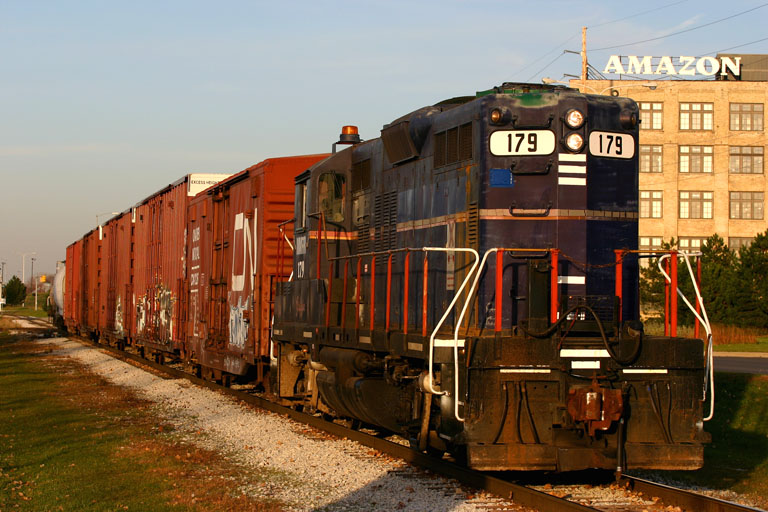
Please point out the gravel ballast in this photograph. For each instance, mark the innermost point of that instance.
(310, 471)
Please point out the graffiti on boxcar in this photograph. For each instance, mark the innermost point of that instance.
(141, 314)
(119, 317)
(164, 305)
(238, 324)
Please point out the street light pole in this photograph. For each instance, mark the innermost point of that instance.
(23, 270)
(35, 280)
(2, 283)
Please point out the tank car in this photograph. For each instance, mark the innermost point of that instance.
(467, 279)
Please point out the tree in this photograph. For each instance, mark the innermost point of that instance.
(15, 292)
(753, 270)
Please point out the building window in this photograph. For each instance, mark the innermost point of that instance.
(651, 115)
(745, 160)
(650, 158)
(651, 204)
(691, 243)
(737, 242)
(695, 204)
(747, 116)
(650, 243)
(696, 116)
(746, 205)
(695, 158)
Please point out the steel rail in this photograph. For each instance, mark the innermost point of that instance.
(518, 493)
(687, 500)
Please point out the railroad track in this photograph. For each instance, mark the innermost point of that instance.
(632, 494)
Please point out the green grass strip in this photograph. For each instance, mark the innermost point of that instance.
(56, 454)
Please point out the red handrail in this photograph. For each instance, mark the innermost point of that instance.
(389, 289)
(554, 307)
(373, 291)
(499, 288)
(424, 297)
(406, 282)
(344, 297)
(357, 294)
(670, 286)
(673, 292)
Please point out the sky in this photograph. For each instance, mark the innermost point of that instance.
(104, 103)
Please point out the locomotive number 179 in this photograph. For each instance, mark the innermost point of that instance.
(522, 142)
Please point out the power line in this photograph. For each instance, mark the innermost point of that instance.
(682, 31)
(638, 14)
(538, 59)
(545, 67)
(739, 46)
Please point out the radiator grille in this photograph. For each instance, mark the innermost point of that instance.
(454, 145)
(385, 219)
(473, 225)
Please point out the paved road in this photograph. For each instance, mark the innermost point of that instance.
(742, 362)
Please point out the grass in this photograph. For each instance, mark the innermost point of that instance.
(726, 338)
(22, 311)
(28, 308)
(761, 345)
(737, 458)
(71, 441)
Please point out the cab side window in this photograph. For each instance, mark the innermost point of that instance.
(332, 189)
(301, 205)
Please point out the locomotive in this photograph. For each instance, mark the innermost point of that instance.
(469, 280)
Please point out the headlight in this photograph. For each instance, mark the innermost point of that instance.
(496, 115)
(574, 142)
(574, 118)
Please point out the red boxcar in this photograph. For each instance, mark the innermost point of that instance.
(91, 283)
(159, 239)
(232, 266)
(116, 276)
(73, 287)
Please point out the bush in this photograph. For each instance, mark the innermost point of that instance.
(14, 292)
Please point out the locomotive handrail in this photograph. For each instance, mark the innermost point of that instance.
(433, 336)
(710, 370)
(281, 248)
(456, 329)
(499, 274)
(670, 281)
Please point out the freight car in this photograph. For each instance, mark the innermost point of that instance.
(468, 280)
(124, 279)
(232, 243)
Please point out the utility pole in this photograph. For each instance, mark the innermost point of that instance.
(35, 280)
(2, 283)
(583, 56)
